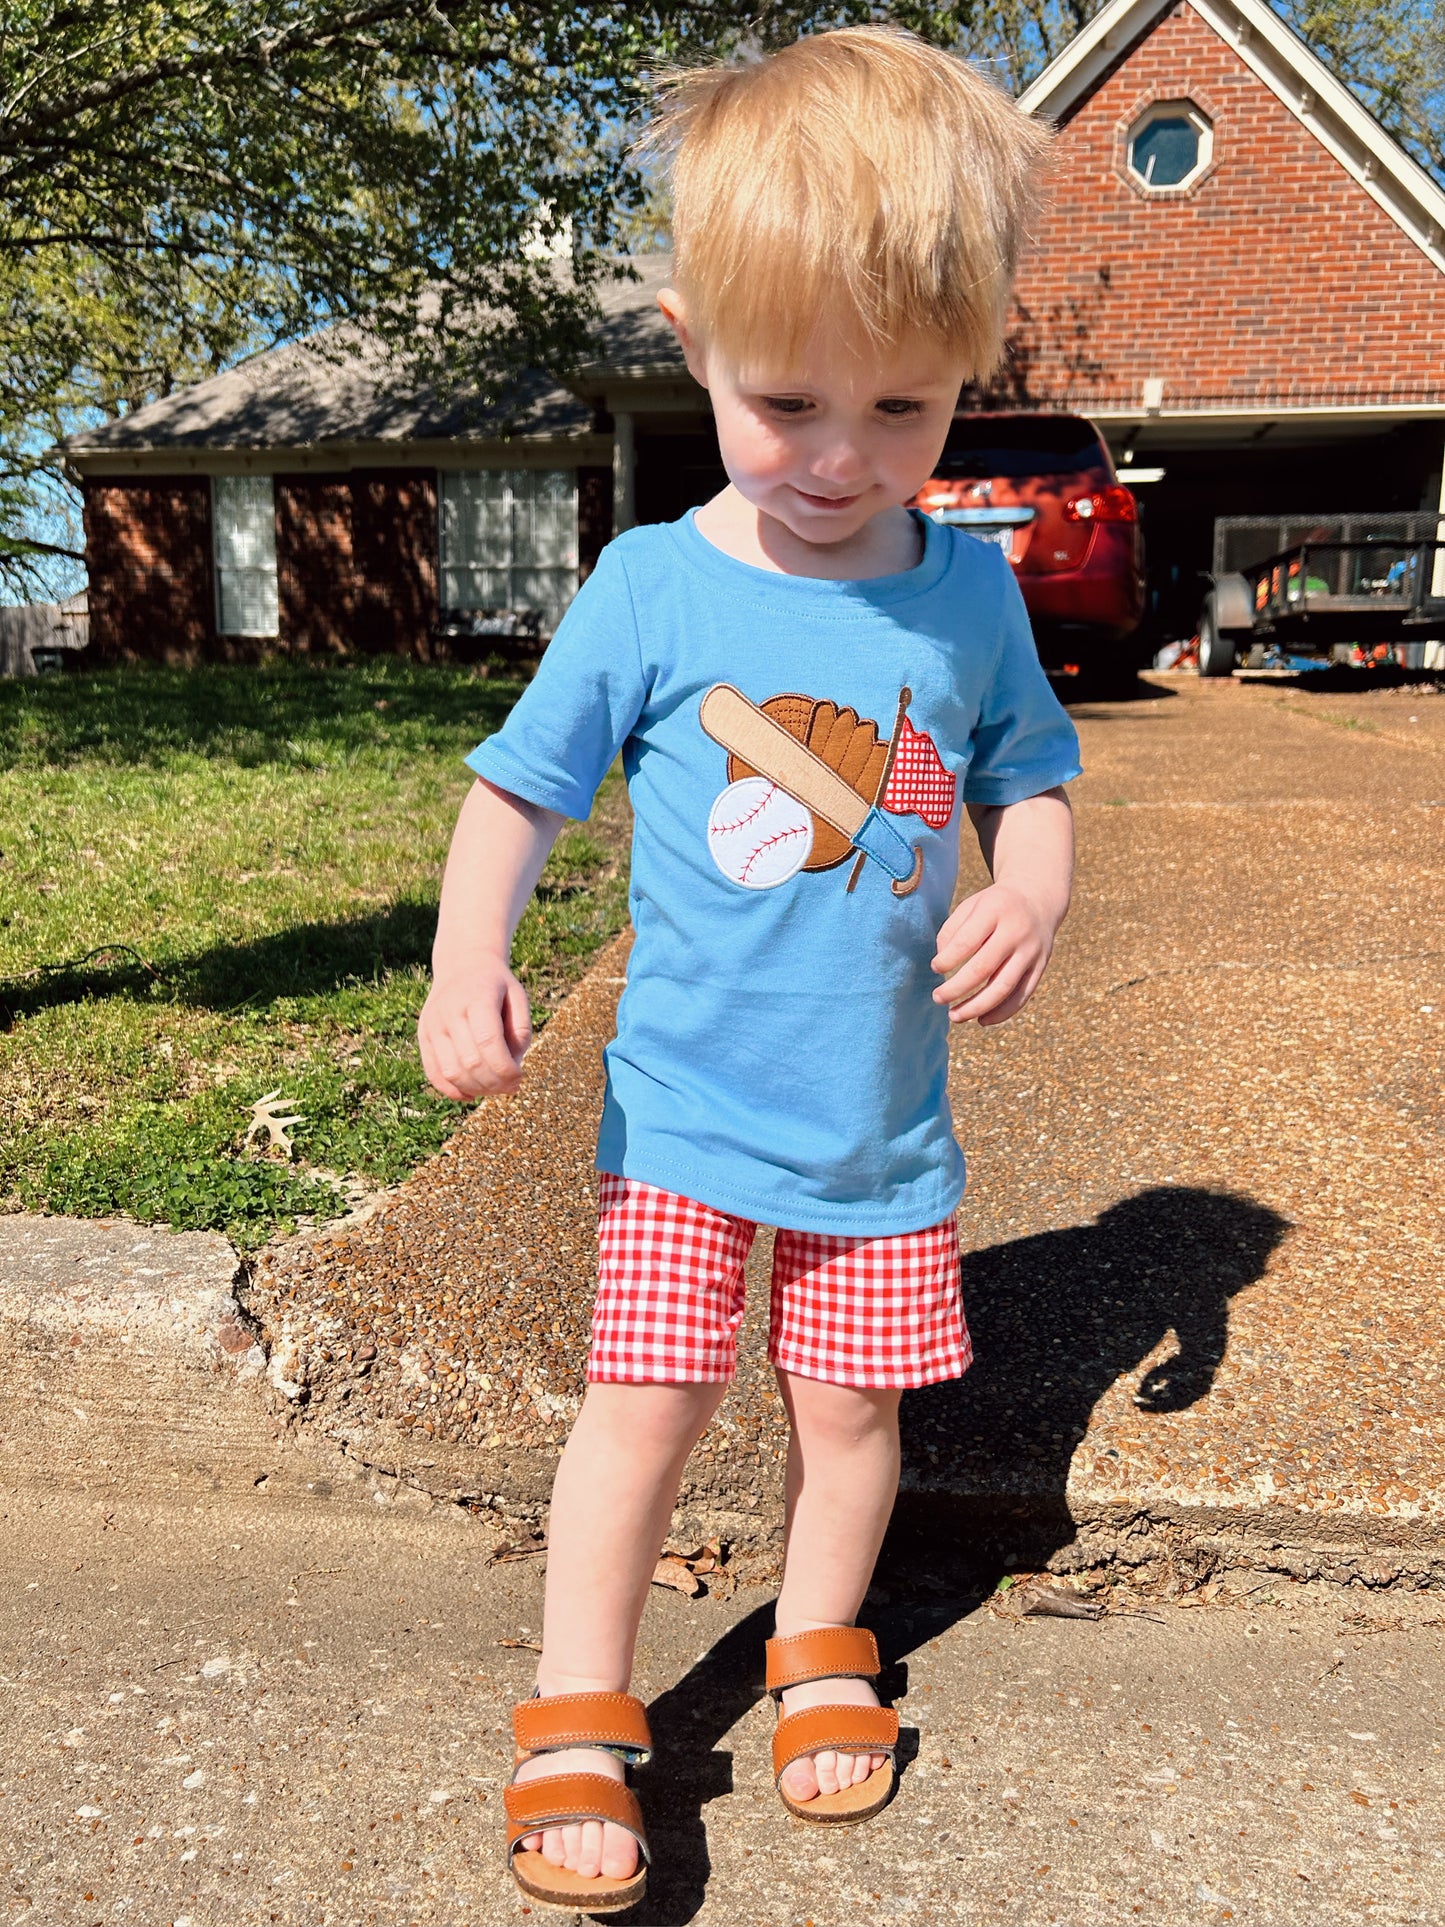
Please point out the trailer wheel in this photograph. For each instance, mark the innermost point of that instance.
(1216, 651)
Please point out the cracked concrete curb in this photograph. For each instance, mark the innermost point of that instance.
(149, 1301)
(140, 1291)
(130, 1361)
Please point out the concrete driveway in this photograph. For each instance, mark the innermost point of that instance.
(247, 1676)
(230, 1703)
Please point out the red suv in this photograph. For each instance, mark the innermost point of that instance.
(1043, 488)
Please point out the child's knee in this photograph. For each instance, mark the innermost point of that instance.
(841, 1414)
(655, 1417)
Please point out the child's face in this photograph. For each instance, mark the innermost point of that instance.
(830, 440)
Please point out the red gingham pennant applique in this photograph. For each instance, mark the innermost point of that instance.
(918, 784)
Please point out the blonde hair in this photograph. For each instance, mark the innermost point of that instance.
(860, 175)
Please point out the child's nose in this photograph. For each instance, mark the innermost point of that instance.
(840, 464)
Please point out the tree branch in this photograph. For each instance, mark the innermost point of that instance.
(18, 545)
(258, 52)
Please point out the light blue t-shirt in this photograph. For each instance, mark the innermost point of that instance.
(798, 753)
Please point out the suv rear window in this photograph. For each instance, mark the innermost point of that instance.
(1032, 445)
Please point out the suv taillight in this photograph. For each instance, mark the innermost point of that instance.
(1111, 504)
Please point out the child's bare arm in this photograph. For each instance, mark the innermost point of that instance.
(475, 1026)
(995, 946)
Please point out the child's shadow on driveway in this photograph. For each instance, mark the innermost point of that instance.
(1059, 1318)
(1056, 1320)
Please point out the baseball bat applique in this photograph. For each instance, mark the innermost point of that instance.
(914, 780)
(905, 697)
(746, 731)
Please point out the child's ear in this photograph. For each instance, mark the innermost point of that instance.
(674, 310)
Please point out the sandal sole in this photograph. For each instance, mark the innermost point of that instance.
(850, 1807)
(579, 1893)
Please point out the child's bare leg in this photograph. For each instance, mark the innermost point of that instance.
(611, 1502)
(842, 1481)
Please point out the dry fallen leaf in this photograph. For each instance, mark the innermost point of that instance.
(266, 1116)
(527, 1549)
(675, 1572)
(683, 1571)
(523, 1645)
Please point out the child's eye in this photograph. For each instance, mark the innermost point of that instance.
(786, 404)
(898, 408)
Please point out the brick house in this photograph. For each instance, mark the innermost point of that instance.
(1241, 279)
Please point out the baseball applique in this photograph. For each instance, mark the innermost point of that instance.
(758, 834)
(809, 784)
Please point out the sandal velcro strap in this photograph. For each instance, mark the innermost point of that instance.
(566, 1800)
(615, 1721)
(833, 1729)
(829, 1652)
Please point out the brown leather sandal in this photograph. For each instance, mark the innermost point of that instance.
(832, 1652)
(615, 1723)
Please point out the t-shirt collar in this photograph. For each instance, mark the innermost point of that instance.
(869, 592)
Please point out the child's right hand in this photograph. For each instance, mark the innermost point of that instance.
(474, 1030)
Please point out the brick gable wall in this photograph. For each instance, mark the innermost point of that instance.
(1274, 280)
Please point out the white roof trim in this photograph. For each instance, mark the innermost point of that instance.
(1368, 413)
(1277, 55)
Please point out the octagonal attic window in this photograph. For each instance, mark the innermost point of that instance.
(1170, 145)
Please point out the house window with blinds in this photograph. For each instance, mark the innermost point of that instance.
(243, 521)
(509, 542)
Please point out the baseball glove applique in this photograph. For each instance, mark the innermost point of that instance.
(809, 784)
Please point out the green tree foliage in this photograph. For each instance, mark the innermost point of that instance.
(1392, 53)
(183, 181)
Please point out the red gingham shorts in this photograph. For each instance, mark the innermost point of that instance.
(872, 1312)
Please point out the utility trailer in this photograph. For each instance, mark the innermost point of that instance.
(1306, 584)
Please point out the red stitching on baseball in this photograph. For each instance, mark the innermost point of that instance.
(726, 829)
(781, 836)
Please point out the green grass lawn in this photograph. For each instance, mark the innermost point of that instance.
(221, 882)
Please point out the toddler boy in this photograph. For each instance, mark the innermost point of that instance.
(809, 684)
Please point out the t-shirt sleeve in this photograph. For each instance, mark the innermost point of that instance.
(1023, 742)
(580, 707)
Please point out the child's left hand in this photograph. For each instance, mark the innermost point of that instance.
(992, 952)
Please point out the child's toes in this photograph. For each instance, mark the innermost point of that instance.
(589, 1850)
(619, 1853)
(830, 1768)
(800, 1780)
(554, 1846)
